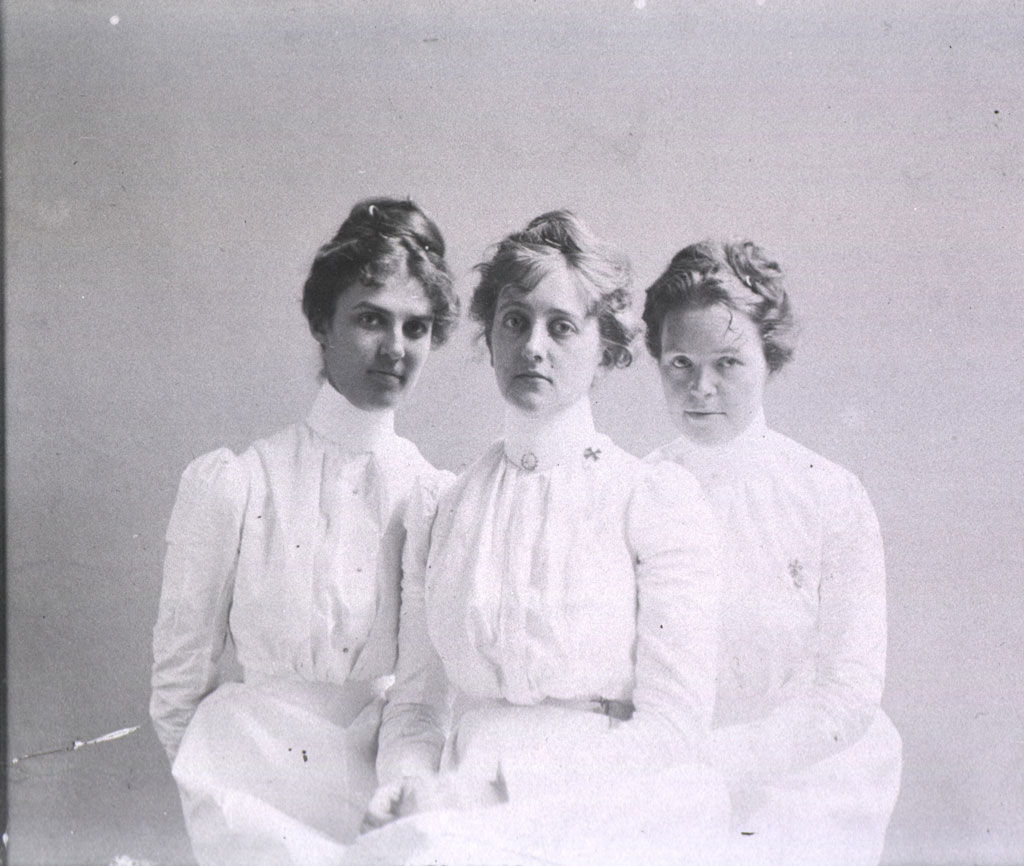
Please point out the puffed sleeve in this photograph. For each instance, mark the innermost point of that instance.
(675, 545)
(416, 716)
(850, 662)
(199, 569)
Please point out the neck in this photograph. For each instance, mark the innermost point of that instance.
(335, 418)
(575, 417)
(751, 434)
(541, 442)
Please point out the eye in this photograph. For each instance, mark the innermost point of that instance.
(369, 319)
(513, 322)
(727, 362)
(680, 362)
(417, 328)
(561, 328)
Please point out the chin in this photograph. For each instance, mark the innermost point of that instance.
(380, 400)
(525, 402)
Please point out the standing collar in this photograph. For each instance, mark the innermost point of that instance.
(355, 430)
(539, 444)
(748, 442)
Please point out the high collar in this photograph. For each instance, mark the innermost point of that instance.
(539, 444)
(356, 430)
(748, 443)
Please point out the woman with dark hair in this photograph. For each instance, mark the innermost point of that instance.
(291, 551)
(555, 678)
(812, 762)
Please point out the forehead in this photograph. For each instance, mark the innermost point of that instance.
(707, 330)
(400, 294)
(556, 289)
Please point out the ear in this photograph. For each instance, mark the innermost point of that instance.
(609, 359)
(607, 363)
(318, 334)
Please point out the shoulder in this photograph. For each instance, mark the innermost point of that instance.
(218, 472)
(654, 487)
(838, 491)
(213, 492)
(667, 509)
(790, 456)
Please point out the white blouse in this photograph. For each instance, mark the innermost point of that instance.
(561, 572)
(802, 660)
(292, 550)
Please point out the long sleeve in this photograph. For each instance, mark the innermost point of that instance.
(678, 576)
(416, 716)
(199, 567)
(837, 707)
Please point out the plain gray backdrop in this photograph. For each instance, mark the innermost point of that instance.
(170, 169)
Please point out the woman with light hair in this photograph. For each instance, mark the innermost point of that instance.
(559, 605)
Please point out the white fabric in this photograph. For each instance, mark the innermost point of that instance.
(561, 572)
(672, 817)
(802, 660)
(292, 552)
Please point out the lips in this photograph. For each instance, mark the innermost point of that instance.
(388, 375)
(532, 375)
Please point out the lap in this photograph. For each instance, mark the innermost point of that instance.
(271, 765)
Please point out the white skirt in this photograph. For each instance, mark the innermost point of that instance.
(619, 816)
(832, 813)
(278, 772)
(677, 817)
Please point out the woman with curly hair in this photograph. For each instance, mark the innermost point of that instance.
(557, 643)
(812, 762)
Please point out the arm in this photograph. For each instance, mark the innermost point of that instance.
(850, 668)
(199, 569)
(415, 720)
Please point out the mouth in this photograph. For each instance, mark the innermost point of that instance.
(700, 413)
(388, 376)
(531, 375)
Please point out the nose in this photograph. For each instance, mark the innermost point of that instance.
(392, 345)
(536, 343)
(703, 383)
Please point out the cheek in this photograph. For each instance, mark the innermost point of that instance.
(500, 353)
(419, 351)
(672, 381)
(747, 393)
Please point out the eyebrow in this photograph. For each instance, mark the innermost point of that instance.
(721, 350)
(514, 303)
(366, 305)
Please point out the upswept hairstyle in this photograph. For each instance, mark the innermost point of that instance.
(737, 274)
(379, 237)
(525, 257)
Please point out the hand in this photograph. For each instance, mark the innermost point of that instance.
(386, 804)
(406, 796)
(413, 794)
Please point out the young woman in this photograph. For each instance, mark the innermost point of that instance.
(292, 551)
(557, 639)
(812, 762)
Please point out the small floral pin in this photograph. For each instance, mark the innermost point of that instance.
(796, 572)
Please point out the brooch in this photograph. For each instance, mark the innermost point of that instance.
(592, 454)
(528, 461)
(796, 572)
